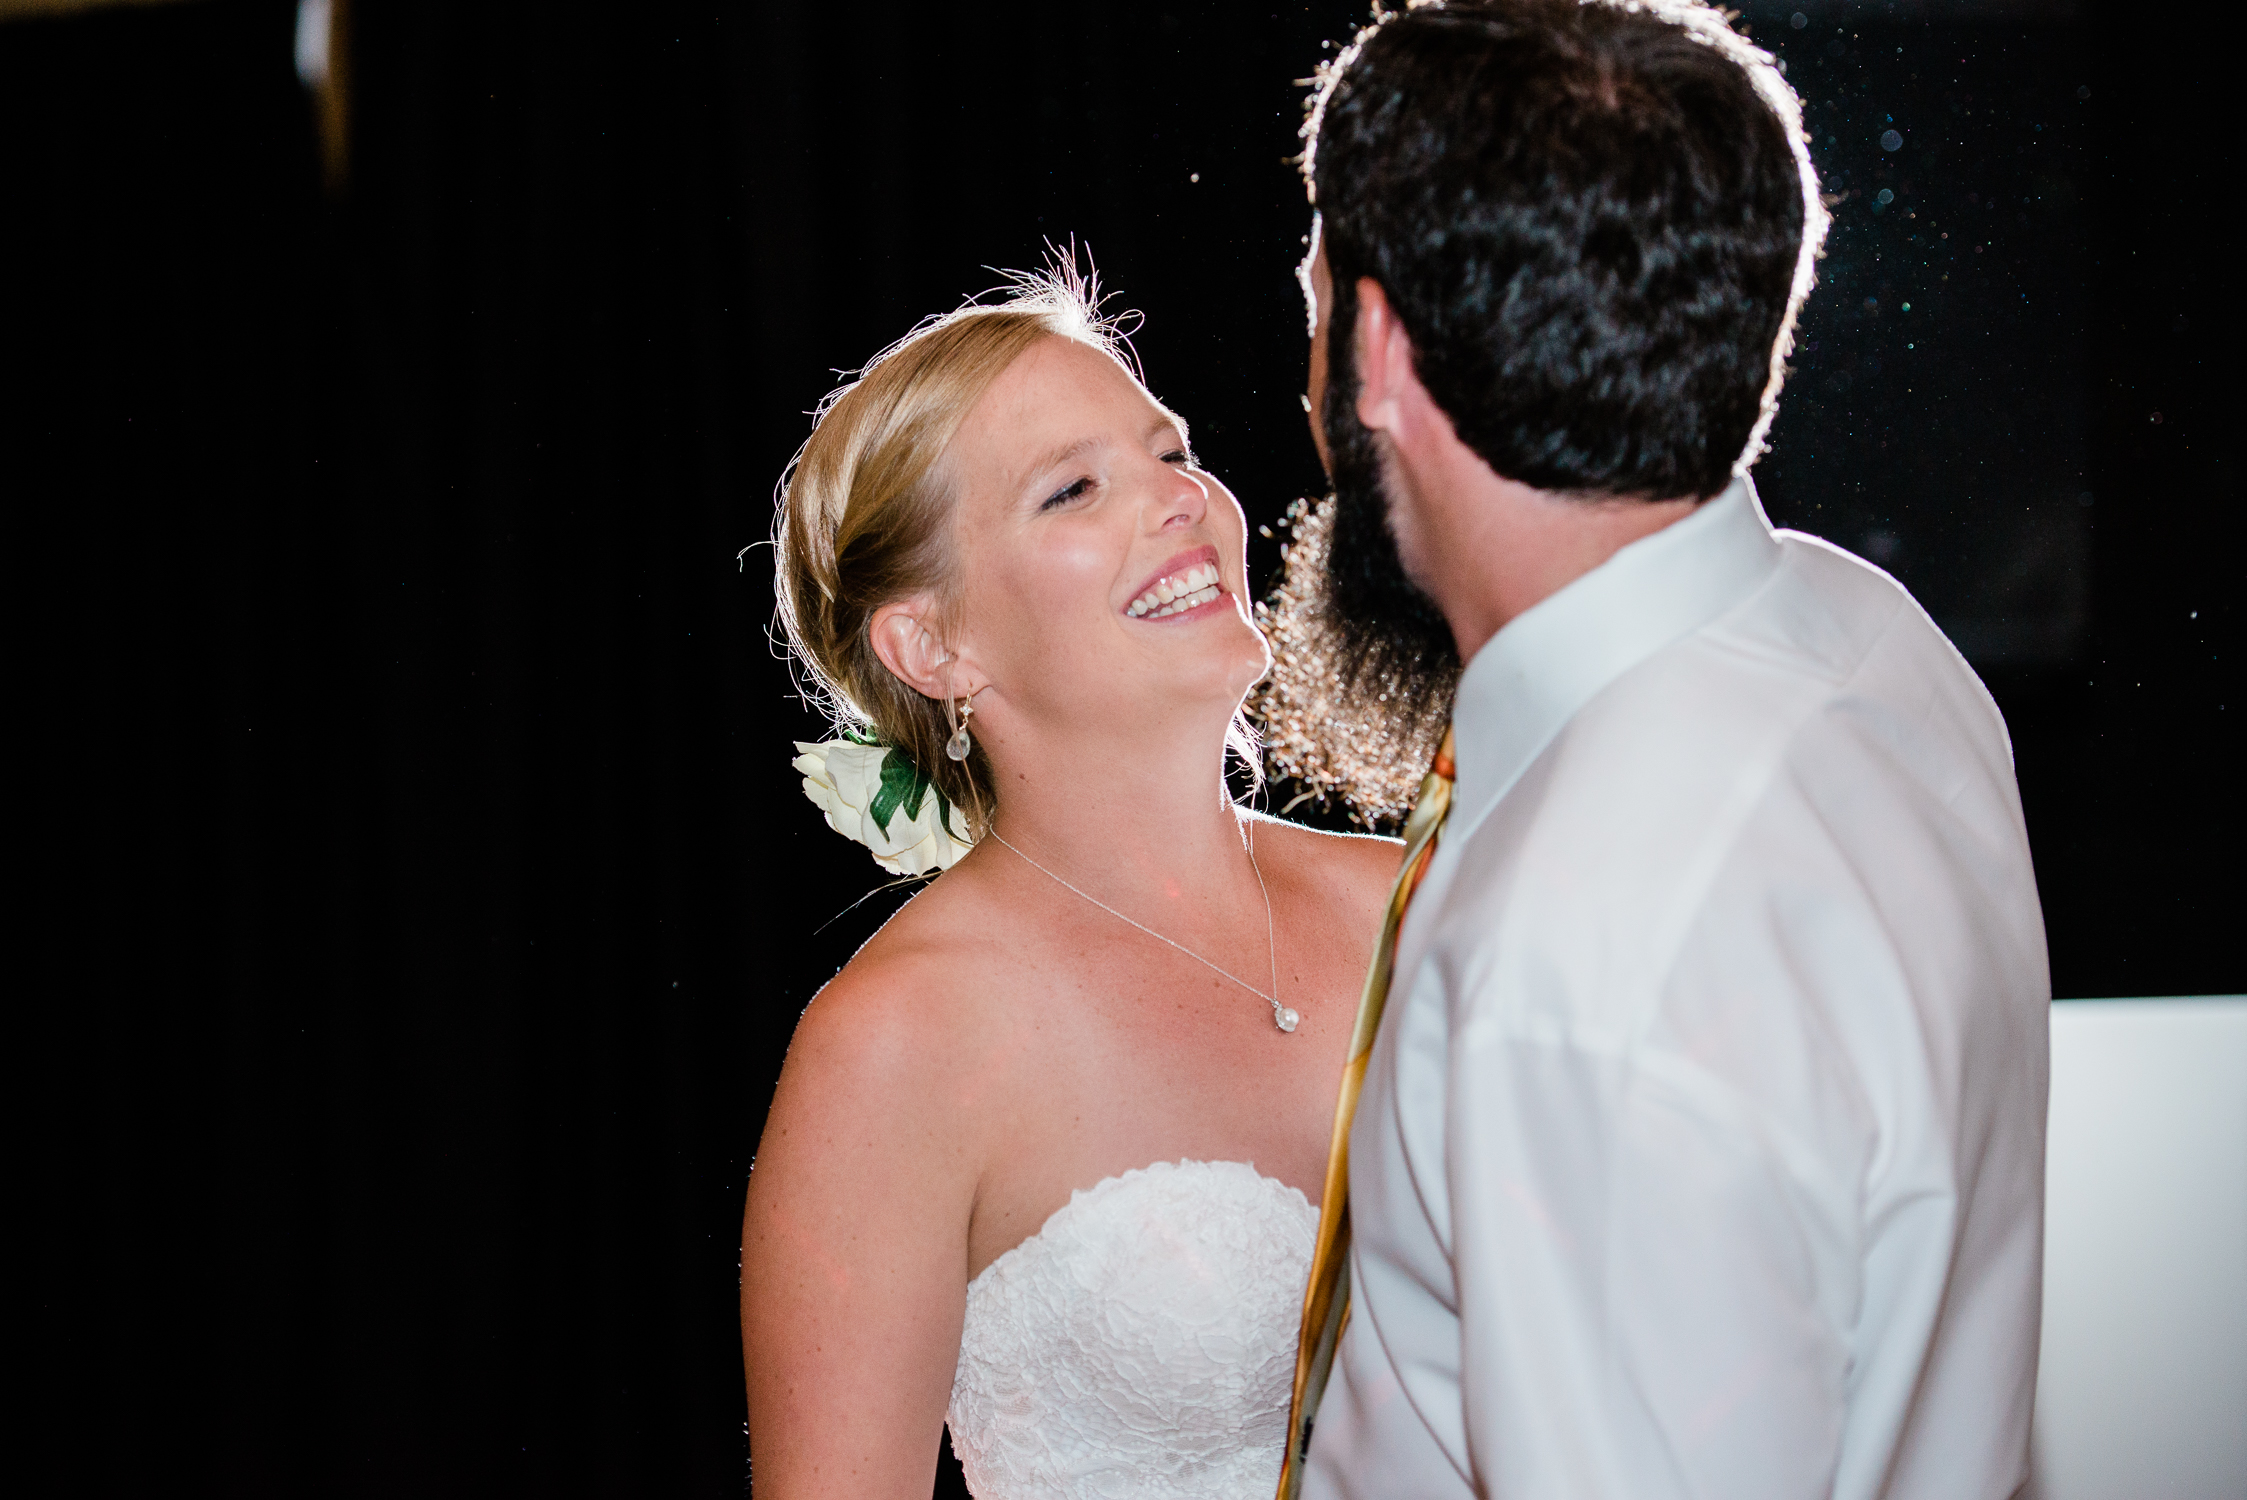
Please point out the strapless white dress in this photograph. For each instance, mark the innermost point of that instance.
(1140, 1346)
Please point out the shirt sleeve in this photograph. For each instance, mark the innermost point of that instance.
(1652, 1298)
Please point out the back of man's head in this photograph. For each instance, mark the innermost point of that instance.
(1595, 221)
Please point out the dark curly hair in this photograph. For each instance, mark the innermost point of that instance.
(1595, 222)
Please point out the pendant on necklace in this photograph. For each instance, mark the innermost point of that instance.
(1284, 1017)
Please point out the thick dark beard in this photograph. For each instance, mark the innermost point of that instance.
(1391, 643)
(1363, 664)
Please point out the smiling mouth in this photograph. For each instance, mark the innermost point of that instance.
(1189, 588)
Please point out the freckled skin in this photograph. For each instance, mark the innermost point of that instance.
(1000, 1042)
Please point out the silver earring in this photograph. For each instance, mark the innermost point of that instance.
(958, 746)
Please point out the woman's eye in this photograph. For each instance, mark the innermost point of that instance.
(1179, 456)
(1066, 493)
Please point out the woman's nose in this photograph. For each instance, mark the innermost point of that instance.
(1183, 499)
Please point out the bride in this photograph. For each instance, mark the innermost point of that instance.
(1044, 1159)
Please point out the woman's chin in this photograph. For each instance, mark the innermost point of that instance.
(1219, 668)
(1238, 660)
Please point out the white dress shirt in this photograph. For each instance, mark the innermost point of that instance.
(1701, 1151)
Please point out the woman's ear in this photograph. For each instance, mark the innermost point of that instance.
(908, 646)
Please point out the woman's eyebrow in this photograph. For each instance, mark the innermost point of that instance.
(1055, 458)
(1171, 419)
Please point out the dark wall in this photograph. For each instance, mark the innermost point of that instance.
(2011, 390)
(180, 655)
(424, 895)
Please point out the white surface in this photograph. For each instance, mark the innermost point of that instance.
(1701, 1150)
(313, 20)
(2143, 1389)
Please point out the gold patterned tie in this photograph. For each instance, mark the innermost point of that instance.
(1326, 1303)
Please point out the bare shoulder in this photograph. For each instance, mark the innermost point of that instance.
(879, 1035)
(1355, 869)
(854, 1245)
(869, 1159)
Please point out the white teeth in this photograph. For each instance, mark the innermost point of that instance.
(1175, 595)
(1184, 602)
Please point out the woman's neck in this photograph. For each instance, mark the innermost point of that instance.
(1152, 825)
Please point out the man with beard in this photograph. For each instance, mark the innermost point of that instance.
(1700, 1143)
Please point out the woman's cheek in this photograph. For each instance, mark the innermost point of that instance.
(1232, 543)
(1080, 565)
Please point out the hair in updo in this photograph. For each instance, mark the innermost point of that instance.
(866, 510)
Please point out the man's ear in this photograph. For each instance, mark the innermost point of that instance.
(908, 646)
(1384, 355)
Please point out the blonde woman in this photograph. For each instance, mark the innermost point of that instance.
(1044, 1158)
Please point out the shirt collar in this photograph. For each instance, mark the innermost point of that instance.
(1552, 659)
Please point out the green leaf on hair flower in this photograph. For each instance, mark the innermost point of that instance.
(903, 785)
(858, 736)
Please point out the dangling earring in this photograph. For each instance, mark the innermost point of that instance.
(958, 746)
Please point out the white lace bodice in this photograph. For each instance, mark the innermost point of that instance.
(1140, 1346)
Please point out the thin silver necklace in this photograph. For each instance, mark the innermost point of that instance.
(1283, 1016)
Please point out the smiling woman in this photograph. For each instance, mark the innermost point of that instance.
(865, 507)
(868, 517)
(1035, 1159)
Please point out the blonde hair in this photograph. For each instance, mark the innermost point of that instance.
(866, 506)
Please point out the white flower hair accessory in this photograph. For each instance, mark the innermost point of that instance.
(873, 794)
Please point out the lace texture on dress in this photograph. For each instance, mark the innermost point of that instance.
(1140, 1346)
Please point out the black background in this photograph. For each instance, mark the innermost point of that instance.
(416, 896)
